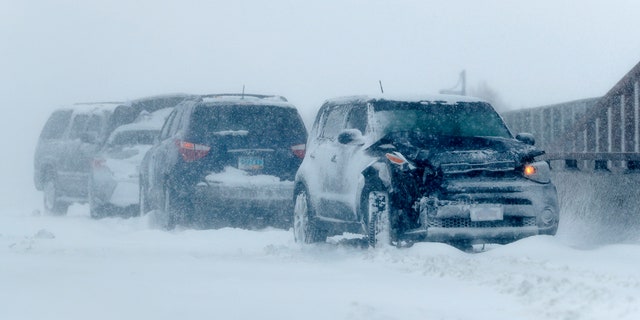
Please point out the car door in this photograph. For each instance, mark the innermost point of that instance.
(71, 169)
(350, 160)
(325, 155)
(156, 159)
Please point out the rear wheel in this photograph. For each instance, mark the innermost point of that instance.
(176, 208)
(96, 211)
(377, 206)
(304, 227)
(142, 200)
(52, 203)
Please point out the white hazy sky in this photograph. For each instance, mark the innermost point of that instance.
(531, 53)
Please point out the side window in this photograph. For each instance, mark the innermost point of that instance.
(56, 125)
(177, 122)
(334, 122)
(94, 124)
(78, 125)
(357, 118)
(164, 134)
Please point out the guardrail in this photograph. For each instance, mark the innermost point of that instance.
(604, 131)
(599, 160)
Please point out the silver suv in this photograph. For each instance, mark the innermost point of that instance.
(405, 169)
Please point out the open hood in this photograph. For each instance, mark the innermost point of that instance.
(460, 154)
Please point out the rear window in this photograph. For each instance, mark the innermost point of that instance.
(133, 137)
(56, 124)
(463, 119)
(247, 126)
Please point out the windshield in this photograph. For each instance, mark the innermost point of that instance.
(463, 119)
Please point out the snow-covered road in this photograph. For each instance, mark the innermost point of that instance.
(74, 267)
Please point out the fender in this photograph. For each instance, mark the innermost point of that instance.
(377, 174)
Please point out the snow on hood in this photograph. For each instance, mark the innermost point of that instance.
(235, 177)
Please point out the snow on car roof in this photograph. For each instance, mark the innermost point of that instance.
(237, 99)
(147, 121)
(447, 99)
(93, 107)
(155, 98)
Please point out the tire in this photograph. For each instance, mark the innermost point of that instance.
(142, 200)
(377, 207)
(96, 211)
(176, 209)
(53, 205)
(304, 227)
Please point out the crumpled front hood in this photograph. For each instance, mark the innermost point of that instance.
(461, 154)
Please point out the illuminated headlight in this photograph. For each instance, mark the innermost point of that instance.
(537, 171)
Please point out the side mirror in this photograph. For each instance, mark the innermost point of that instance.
(526, 138)
(350, 136)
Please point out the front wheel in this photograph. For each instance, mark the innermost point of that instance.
(377, 208)
(304, 228)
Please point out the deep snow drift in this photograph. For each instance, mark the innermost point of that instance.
(74, 267)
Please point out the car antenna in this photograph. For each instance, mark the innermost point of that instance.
(242, 97)
(380, 82)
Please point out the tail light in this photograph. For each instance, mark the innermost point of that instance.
(299, 150)
(192, 151)
(97, 163)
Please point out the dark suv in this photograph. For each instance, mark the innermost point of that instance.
(70, 139)
(224, 160)
(440, 168)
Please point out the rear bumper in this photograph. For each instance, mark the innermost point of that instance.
(246, 205)
(120, 193)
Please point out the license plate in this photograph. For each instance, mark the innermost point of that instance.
(486, 213)
(250, 163)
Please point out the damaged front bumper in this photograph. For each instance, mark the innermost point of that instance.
(487, 212)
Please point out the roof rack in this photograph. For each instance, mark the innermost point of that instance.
(242, 95)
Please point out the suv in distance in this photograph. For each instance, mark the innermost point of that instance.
(67, 143)
(404, 169)
(70, 139)
(224, 160)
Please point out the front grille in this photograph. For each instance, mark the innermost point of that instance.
(493, 200)
(467, 223)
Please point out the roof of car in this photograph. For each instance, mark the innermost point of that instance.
(147, 121)
(246, 99)
(93, 107)
(447, 99)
